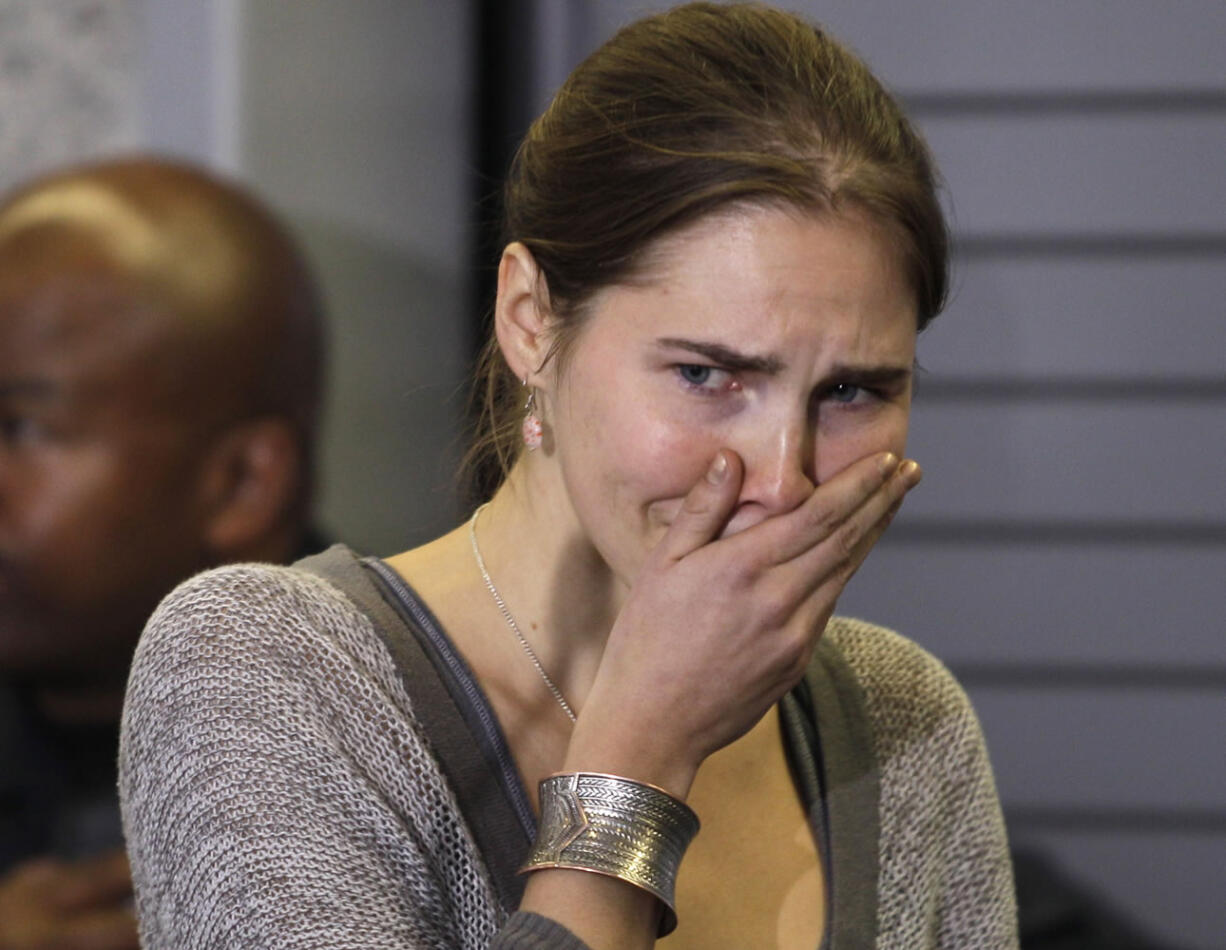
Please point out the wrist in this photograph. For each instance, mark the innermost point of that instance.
(615, 827)
(605, 745)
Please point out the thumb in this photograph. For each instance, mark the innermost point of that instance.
(706, 508)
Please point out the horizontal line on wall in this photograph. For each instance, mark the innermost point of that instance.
(987, 531)
(1119, 244)
(1097, 676)
(1067, 388)
(924, 105)
(1114, 820)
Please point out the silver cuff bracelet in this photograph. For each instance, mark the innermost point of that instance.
(614, 826)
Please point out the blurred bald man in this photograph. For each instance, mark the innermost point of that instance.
(160, 376)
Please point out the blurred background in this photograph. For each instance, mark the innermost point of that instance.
(1066, 555)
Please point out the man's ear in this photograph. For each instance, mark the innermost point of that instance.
(521, 314)
(251, 478)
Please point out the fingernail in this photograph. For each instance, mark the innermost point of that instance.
(718, 469)
(887, 463)
(910, 471)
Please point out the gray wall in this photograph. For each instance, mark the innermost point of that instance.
(1067, 550)
(354, 123)
(68, 86)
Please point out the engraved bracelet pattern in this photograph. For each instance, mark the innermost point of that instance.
(614, 826)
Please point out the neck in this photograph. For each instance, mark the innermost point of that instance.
(563, 595)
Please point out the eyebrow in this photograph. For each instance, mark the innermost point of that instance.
(725, 356)
(882, 376)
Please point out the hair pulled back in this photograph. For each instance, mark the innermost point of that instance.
(683, 113)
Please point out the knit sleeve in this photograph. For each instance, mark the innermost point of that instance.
(527, 931)
(276, 788)
(945, 874)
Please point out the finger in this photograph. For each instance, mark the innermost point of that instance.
(865, 526)
(827, 567)
(855, 537)
(94, 882)
(828, 508)
(908, 476)
(706, 508)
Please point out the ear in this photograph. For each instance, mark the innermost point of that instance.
(251, 477)
(522, 318)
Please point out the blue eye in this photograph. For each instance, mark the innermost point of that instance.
(704, 380)
(844, 392)
(695, 374)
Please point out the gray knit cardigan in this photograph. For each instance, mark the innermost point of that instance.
(279, 788)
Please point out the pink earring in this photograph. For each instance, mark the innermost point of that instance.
(532, 428)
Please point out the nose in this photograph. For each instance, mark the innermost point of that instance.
(780, 468)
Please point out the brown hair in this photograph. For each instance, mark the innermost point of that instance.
(684, 113)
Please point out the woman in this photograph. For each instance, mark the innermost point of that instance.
(722, 241)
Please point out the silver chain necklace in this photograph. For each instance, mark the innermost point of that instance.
(506, 615)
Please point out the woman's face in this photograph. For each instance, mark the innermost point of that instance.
(787, 338)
